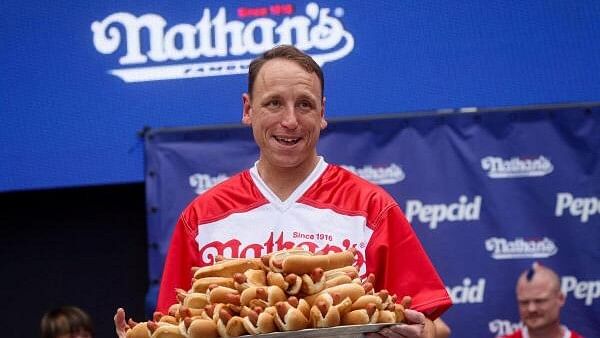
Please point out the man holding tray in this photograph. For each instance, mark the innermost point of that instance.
(293, 197)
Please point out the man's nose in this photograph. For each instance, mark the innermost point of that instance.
(531, 306)
(289, 119)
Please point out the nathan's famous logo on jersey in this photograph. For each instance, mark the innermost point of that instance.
(224, 45)
(582, 207)
(502, 327)
(203, 182)
(583, 290)
(433, 214)
(234, 248)
(391, 174)
(498, 167)
(502, 248)
(468, 292)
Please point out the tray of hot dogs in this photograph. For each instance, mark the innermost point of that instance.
(288, 293)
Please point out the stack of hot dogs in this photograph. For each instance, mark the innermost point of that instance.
(285, 291)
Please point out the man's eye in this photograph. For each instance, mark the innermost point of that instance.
(273, 104)
(305, 105)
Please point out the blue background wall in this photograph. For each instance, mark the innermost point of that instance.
(66, 121)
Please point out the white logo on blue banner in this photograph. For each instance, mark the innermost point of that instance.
(216, 37)
(501, 248)
(497, 167)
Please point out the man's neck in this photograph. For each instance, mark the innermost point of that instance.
(553, 331)
(284, 181)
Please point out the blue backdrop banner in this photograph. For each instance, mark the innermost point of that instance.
(487, 193)
(81, 79)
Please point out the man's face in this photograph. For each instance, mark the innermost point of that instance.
(540, 301)
(286, 112)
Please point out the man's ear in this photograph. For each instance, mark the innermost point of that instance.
(323, 121)
(246, 109)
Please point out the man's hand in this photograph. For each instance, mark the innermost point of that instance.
(121, 326)
(419, 327)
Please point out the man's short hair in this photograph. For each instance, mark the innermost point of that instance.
(287, 52)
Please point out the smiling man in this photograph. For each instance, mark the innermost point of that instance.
(293, 197)
(540, 300)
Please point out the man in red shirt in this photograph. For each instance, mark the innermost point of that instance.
(293, 197)
(540, 301)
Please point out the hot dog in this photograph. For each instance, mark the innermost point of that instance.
(166, 330)
(275, 260)
(221, 294)
(289, 318)
(351, 290)
(227, 268)
(202, 328)
(291, 283)
(249, 278)
(229, 325)
(313, 282)
(202, 284)
(262, 296)
(368, 315)
(300, 265)
(258, 321)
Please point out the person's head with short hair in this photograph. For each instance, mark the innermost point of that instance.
(67, 322)
(287, 52)
(285, 107)
(540, 298)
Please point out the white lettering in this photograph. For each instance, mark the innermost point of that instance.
(502, 327)
(588, 290)
(498, 167)
(501, 248)
(577, 206)
(467, 293)
(433, 214)
(213, 37)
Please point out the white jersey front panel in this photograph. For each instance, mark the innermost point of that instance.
(268, 228)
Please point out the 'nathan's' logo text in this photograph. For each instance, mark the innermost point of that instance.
(203, 182)
(215, 37)
(501, 248)
(391, 174)
(502, 327)
(498, 167)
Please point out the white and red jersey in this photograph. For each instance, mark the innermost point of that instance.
(332, 210)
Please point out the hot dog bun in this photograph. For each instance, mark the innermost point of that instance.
(202, 328)
(306, 264)
(227, 268)
(202, 284)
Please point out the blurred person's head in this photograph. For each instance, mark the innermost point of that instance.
(66, 322)
(540, 298)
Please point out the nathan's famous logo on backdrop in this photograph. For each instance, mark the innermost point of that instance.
(468, 292)
(502, 327)
(224, 45)
(497, 167)
(203, 182)
(582, 290)
(382, 175)
(433, 214)
(502, 248)
(582, 207)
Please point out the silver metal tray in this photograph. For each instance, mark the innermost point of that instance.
(346, 331)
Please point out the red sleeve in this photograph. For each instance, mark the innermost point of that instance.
(396, 257)
(177, 273)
